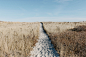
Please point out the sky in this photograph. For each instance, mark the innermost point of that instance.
(43, 10)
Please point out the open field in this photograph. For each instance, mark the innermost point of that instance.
(17, 39)
(68, 38)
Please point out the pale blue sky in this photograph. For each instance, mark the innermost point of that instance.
(43, 10)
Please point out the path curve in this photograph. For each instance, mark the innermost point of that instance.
(43, 47)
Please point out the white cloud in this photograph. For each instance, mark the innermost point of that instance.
(54, 19)
(21, 8)
(60, 7)
(49, 13)
(62, 1)
(46, 19)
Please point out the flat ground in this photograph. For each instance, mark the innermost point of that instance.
(17, 39)
(68, 38)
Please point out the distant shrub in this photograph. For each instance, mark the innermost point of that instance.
(79, 28)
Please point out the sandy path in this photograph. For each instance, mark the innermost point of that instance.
(43, 47)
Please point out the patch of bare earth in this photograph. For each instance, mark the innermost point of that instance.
(70, 42)
(17, 39)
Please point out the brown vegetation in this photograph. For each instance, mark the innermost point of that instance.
(69, 43)
(17, 39)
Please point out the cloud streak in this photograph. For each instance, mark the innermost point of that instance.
(54, 19)
(46, 19)
(62, 1)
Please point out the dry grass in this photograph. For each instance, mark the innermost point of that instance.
(17, 39)
(54, 27)
(69, 39)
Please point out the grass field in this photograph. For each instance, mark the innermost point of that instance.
(68, 38)
(17, 39)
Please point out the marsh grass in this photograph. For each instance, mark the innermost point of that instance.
(17, 39)
(69, 42)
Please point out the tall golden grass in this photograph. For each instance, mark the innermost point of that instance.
(68, 38)
(17, 39)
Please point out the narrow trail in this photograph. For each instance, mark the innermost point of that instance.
(43, 47)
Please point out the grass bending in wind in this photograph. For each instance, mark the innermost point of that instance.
(68, 43)
(17, 39)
